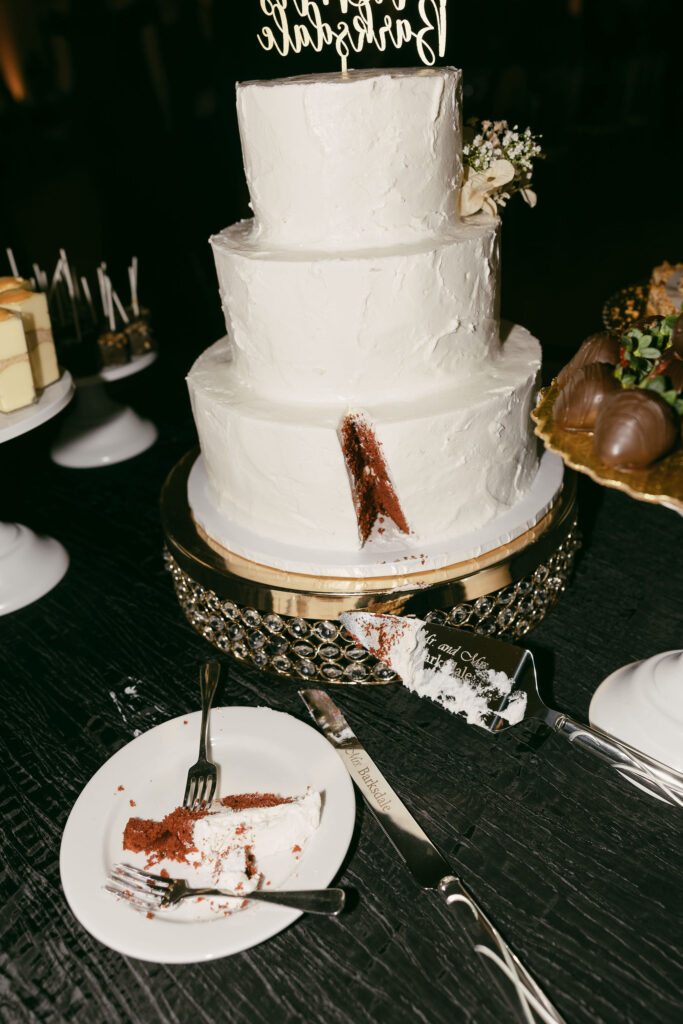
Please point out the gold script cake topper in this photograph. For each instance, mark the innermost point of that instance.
(348, 26)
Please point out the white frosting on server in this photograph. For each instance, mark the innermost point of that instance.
(360, 326)
(346, 161)
(457, 458)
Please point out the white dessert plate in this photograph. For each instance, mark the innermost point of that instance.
(377, 558)
(642, 704)
(256, 750)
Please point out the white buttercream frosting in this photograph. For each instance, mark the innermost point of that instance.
(370, 157)
(457, 457)
(360, 326)
(228, 840)
(356, 287)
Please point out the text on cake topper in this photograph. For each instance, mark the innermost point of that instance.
(301, 24)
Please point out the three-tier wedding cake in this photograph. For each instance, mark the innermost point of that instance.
(363, 395)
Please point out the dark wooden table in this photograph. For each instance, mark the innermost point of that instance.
(579, 870)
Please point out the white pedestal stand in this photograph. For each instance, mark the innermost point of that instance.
(31, 565)
(100, 431)
(642, 704)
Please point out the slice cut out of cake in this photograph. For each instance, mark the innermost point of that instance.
(374, 497)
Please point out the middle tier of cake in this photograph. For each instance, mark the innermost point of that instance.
(362, 326)
(314, 473)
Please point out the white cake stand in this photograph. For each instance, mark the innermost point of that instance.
(100, 431)
(31, 565)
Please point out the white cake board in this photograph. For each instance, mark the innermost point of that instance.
(30, 565)
(378, 557)
(100, 431)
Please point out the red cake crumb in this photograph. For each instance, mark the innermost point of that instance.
(170, 838)
(373, 494)
(132, 803)
(149, 915)
(296, 848)
(120, 789)
(250, 862)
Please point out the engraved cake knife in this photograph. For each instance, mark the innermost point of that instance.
(493, 684)
(427, 865)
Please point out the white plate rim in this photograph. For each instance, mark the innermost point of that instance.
(120, 927)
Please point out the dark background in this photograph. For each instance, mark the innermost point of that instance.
(119, 136)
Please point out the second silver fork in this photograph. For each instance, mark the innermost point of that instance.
(148, 892)
(202, 776)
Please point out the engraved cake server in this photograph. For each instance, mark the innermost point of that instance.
(493, 685)
(428, 866)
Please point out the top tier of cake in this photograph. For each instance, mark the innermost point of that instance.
(364, 159)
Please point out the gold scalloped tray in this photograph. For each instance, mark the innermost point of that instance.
(660, 484)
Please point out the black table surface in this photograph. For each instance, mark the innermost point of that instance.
(579, 870)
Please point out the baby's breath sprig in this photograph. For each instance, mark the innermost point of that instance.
(499, 161)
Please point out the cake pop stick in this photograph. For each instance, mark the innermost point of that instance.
(55, 292)
(41, 277)
(119, 305)
(12, 262)
(109, 312)
(71, 292)
(88, 298)
(103, 289)
(112, 344)
(133, 280)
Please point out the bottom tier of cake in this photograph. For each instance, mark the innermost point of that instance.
(333, 478)
(287, 622)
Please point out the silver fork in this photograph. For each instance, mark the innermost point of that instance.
(202, 775)
(150, 892)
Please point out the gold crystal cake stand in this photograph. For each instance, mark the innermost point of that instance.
(287, 622)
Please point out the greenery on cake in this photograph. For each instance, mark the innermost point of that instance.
(499, 161)
(645, 355)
